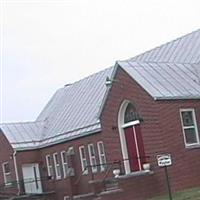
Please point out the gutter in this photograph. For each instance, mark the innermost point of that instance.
(16, 172)
(57, 142)
(177, 98)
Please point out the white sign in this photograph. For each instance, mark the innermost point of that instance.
(164, 160)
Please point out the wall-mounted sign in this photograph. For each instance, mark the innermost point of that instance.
(164, 160)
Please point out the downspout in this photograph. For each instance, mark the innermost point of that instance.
(16, 172)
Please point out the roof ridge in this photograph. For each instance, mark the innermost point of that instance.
(159, 46)
(158, 62)
(86, 77)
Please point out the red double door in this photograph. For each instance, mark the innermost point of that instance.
(135, 147)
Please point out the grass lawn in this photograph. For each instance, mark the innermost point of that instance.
(191, 194)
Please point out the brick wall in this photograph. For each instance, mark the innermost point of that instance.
(6, 155)
(161, 131)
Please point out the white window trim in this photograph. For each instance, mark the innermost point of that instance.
(49, 165)
(195, 127)
(56, 165)
(102, 168)
(94, 168)
(5, 174)
(64, 163)
(82, 159)
(66, 198)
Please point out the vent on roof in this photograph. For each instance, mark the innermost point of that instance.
(67, 85)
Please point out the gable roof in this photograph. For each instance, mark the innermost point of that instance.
(185, 49)
(171, 71)
(166, 80)
(72, 112)
(23, 134)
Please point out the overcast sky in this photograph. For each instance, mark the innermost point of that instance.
(46, 44)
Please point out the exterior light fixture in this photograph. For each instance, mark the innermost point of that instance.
(108, 81)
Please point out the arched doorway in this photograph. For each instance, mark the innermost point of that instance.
(131, 137)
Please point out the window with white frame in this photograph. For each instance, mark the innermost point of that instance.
(49, 166)
(6, 173)
(57, 166)
(83, 159)
(64, 163)
(189, 126)
(102, 156)
(92, 157)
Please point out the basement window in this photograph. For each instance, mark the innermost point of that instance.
(83, 158)
(64, 163)
(49, 166)
(102, 156)
(6, 173)
(57, 166)
(189, 126)
(92, 156)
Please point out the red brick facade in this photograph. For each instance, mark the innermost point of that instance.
(161, 131)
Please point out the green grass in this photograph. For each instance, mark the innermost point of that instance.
(191, 194)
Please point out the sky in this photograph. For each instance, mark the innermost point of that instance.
(46, 44)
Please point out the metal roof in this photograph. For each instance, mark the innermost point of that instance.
(185, 49)
(171, 71)
(71, 112)
(165, 80)
(28, 133)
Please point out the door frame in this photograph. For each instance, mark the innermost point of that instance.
(37, 173)
(121, 127)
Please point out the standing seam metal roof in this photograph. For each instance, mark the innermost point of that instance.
(171, 71)
(72, 112)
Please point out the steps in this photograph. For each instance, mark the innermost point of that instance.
(111, 184)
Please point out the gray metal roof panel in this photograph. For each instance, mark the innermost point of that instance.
(171, 71)
(165, 80)
(73, 111)
(185, 49)
(28, 132)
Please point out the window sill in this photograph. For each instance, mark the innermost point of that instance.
(193, 146)
(134, 174)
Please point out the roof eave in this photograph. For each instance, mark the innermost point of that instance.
(58, 141)
(107, 91)
(177, 98)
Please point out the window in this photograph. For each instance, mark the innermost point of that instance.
(92, 156)
(83, 159)
(131, 113)
(49, 166)
(102, 156)
(66, 198)
(64, 163)
(57, 166)
(6, 173)
(189, 126)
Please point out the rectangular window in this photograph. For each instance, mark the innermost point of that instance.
(49, 166)
(83, 159)
(189, 126)
(102, 156)
(6, 173)
(64, 163)
(92, 157)
(57, 166)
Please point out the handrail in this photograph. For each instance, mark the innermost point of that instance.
(111, 166)
(79, 178)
